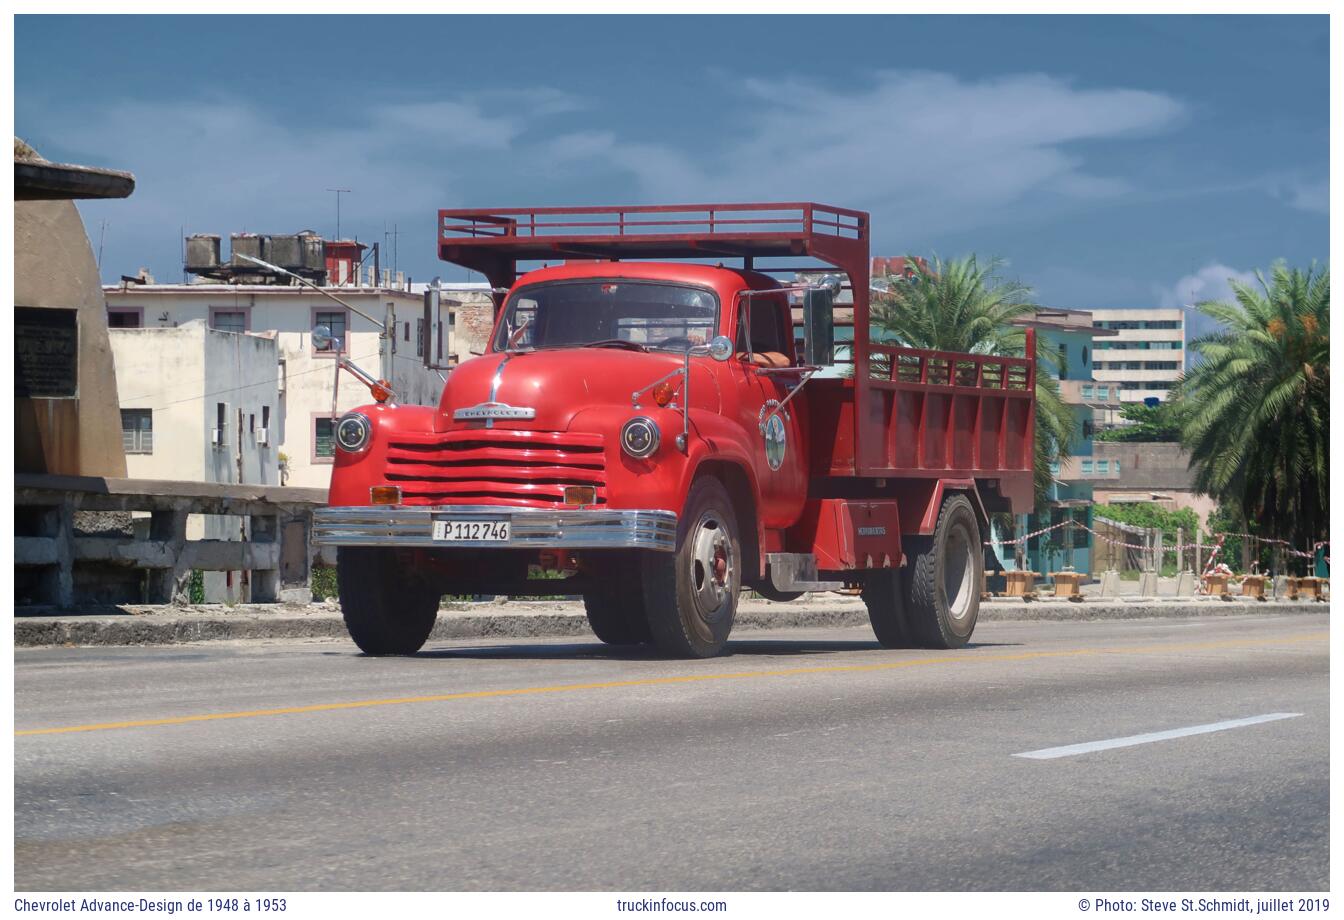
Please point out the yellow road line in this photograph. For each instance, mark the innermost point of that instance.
(959, 658)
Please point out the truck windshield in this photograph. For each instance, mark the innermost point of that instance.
(575, 314)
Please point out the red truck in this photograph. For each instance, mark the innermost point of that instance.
(644, 426)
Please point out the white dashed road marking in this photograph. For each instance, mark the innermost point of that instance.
(1089, 747)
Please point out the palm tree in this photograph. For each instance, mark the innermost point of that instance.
(961, 305)
(1257, 406)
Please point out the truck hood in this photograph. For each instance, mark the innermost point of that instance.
(560, 383)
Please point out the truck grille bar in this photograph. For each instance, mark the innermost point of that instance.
(479, 466)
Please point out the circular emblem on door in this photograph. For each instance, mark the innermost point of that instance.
(775, 434)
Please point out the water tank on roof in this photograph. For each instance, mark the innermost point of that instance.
(287, 252)
(202, 253)
(314, 252)
(246, 244)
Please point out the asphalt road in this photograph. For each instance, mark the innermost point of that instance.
(804, 760)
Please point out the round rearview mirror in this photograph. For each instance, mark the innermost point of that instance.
(720, 348)
(322, 337)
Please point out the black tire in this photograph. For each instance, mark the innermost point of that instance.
(616, 610)
(884, 596)
(690, 596)
(946, 576)
(386, 612)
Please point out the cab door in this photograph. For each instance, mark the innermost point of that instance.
(766, 371)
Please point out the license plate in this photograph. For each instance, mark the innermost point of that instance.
(470, 531)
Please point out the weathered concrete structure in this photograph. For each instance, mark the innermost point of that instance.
(65, 405)
(60, 563)
(1157, 472)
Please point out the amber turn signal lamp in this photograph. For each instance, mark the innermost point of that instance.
(382, 391)
(580, 495)
(663, 392)
(385, 495)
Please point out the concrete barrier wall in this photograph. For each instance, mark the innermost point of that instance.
(61, 559)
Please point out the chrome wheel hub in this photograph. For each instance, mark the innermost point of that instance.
(711, 565)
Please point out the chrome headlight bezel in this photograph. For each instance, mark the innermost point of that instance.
(647, 437)
(353, 432)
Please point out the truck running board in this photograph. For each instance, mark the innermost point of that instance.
(797, 572)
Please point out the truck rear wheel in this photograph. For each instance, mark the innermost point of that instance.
(946, 576)
(690, 596)
(884, 596)
(386, 612)
(615, 610)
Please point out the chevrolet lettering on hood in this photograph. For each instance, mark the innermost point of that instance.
(493, 410)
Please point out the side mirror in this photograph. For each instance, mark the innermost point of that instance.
(323, 340)
(720, 348)
(819, 323)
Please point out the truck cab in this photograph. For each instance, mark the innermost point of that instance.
(643, 432)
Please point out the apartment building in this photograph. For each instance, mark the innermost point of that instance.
(310, 393)
(1146, 356)
(1072, 341)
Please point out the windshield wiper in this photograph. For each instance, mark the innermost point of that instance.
(621, 343)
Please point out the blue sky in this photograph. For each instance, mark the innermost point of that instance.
(1111, 161)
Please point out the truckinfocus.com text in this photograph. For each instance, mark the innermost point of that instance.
(651, 905)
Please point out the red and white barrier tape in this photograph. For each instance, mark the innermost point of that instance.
(1173, 548)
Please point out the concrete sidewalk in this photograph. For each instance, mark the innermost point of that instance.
(164, 625)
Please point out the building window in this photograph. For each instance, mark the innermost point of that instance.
(221, 430)
(228, 320)
(1084, 356)
(1117, 466)
(1087, 391)
(335, 321)
(137, 431)
(420, 338)
(1087, 429)
(1103, 466)
(125, 317)
(324, 438)
(1087, 466)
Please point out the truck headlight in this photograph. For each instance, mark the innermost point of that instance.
(639, 437)
(352, 432)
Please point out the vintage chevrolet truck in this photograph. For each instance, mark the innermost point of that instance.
(644, 430)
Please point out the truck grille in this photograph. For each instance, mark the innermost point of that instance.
(523, 468)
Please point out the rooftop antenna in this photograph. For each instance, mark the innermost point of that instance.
(393, 233)
(339, 192)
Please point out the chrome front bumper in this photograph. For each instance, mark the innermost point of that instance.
(528, 527)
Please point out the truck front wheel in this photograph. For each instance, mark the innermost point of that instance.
(946, 575)
(615, 606)
(387, 611)
(690, 596)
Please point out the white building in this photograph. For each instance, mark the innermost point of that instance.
(202, 405)
(1146, 356)
(304, 376)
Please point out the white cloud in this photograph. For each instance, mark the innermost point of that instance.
(1209, 283)
(925, 146)
(1306, 196)
(927, 153)
(224, 165)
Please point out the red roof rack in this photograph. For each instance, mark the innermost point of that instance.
(494, 240)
